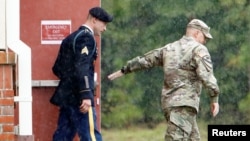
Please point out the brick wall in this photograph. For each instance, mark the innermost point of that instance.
(7, 96)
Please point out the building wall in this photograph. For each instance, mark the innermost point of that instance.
(32, 13)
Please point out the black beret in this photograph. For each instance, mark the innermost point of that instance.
(100, 14)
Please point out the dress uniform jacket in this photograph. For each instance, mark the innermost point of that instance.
(187, 66)
(74, 66)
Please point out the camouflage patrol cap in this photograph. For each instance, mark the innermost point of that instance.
(198, 24)
(100, 14)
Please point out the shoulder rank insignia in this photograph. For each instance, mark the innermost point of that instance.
(85, 50)
(205, 59)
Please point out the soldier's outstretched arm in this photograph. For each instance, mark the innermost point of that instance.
(115, 75)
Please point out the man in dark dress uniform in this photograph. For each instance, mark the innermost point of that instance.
(74, 66)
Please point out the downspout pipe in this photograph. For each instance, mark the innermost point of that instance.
(23, 51)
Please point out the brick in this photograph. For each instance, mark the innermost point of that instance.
(8, 128)
(8, 93)
(6, 119)
(7, 110)
(6, 77)
(7, 137)
(7, 57)
(6, 101)
(1, 129)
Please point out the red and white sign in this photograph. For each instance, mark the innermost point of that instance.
(54, 31)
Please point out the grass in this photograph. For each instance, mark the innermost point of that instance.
(143, 133)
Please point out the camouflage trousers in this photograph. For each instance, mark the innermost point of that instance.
(181, 124)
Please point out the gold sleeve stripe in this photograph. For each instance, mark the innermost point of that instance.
(91, 125)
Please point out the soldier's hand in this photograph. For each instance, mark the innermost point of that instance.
(84, 107)
(214, 108)
(115, 75)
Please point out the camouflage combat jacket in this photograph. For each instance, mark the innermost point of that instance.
(187, 67)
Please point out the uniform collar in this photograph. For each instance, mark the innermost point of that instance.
(188, 38)
(89, 28)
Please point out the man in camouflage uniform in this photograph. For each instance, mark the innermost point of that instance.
(187, 67)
